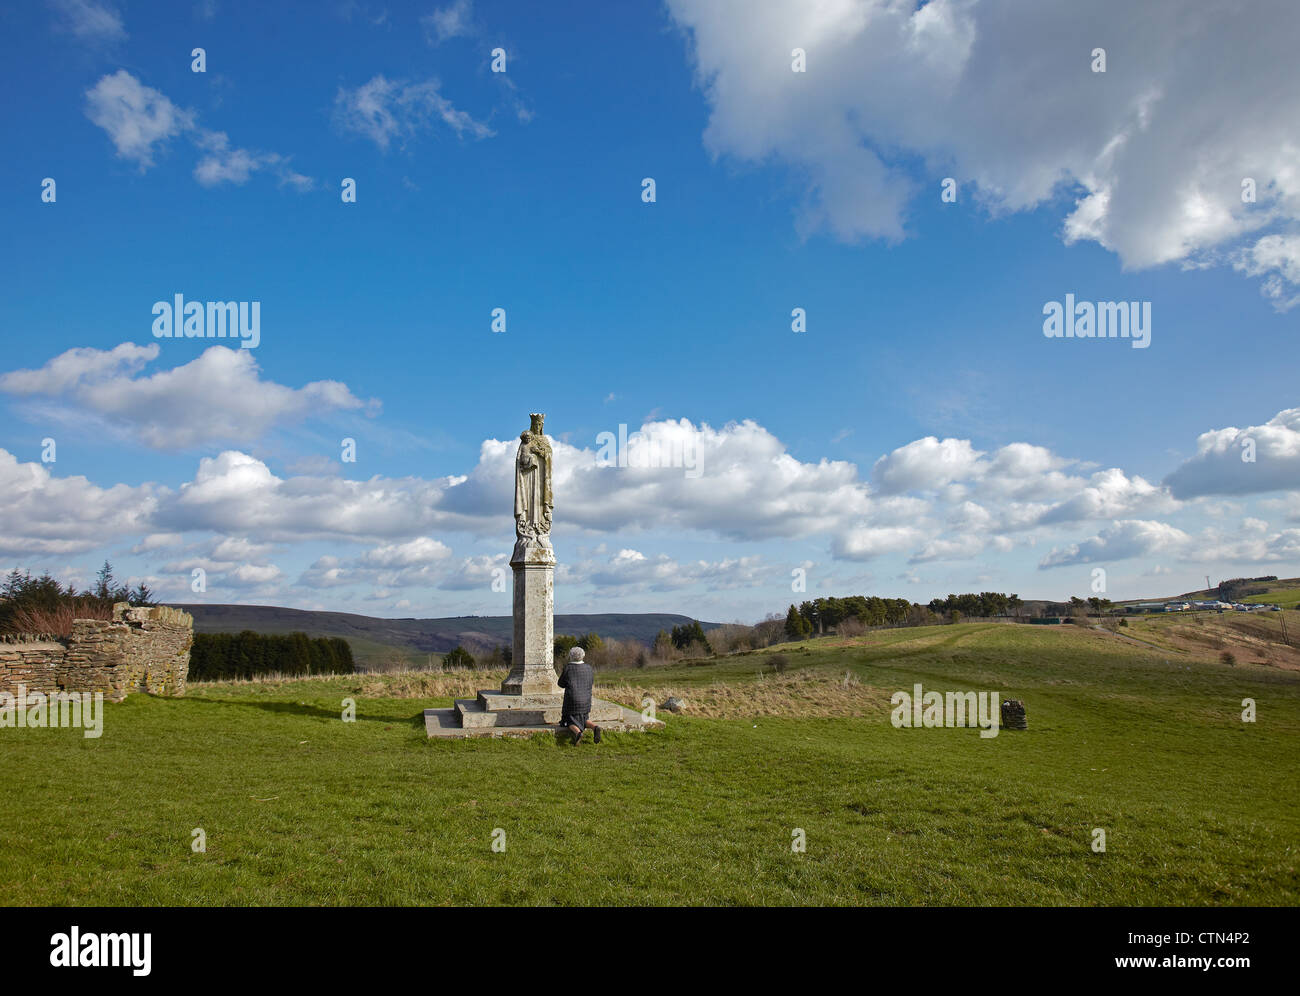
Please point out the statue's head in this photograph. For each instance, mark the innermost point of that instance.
(538, 418)
(576, 655)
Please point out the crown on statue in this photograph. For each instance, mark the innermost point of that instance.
(538, 418)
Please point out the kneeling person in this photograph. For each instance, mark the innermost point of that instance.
(577, 681)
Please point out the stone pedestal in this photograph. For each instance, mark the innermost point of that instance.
(532, 671)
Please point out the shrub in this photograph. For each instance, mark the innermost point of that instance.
(779, 662)
(458, 656)
(851, 627)
(1227, 658)
(56, 621)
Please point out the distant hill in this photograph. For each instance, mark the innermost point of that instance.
(383, 641)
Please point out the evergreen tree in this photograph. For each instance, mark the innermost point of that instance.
(457, 656)
(796, 627)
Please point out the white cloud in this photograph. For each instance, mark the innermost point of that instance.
(477, 573)
(1119, 541)
(222, 163)
(630, 571)
(925, 465)
(43, 514)
(444, 23)
(1001, 97)
(141, 120)
(88, 21)
(383, 110)
(867, 542)
(218, 396)
(326, 572)
(1276, 258)
(138, 118)
(1219, 467)
(419, 552)
(237, 494)
(158, 541)
(964, 503)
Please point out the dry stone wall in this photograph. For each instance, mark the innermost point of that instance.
(145, 649)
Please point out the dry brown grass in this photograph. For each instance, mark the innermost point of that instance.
(1250, 639)
(804, 693)
(808, 692)
(57, 621)
(409, 684)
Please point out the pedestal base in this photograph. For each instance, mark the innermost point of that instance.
(531, 669)
(495, 714)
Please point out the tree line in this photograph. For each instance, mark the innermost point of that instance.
(223, 656)
(821, 614)
(986, 603)
(43, 605)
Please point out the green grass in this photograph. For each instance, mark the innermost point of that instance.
(300, 808)
(1284, 593)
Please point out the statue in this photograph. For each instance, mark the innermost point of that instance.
(534, 499)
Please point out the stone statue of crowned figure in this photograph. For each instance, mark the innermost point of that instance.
(530, 699)
(534, 497)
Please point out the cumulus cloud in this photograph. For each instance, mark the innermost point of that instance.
(218, 396)
(1014, 488)
(383, 110)
(421, 551)
(43, 514)
(925, 465)
(237, 494)
(1119, 541)
(1222, 464)
(630, 570)
(1253, 541)
(1001, 97)
(867, 542)
(946, 501)
(477, 573)
(326, 572)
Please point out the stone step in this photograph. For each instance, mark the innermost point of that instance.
(494, 701)
(473, 714)
(446, 724)
(493, 709)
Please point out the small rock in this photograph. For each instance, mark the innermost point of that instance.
(674, 704)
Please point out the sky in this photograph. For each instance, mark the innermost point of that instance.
(802, 256)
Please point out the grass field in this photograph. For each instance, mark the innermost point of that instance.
(301, 808)
(1285, 593)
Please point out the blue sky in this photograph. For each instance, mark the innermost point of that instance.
(922, 436)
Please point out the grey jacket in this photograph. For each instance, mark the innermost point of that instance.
(576, 682)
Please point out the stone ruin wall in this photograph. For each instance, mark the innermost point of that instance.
(145, 649)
